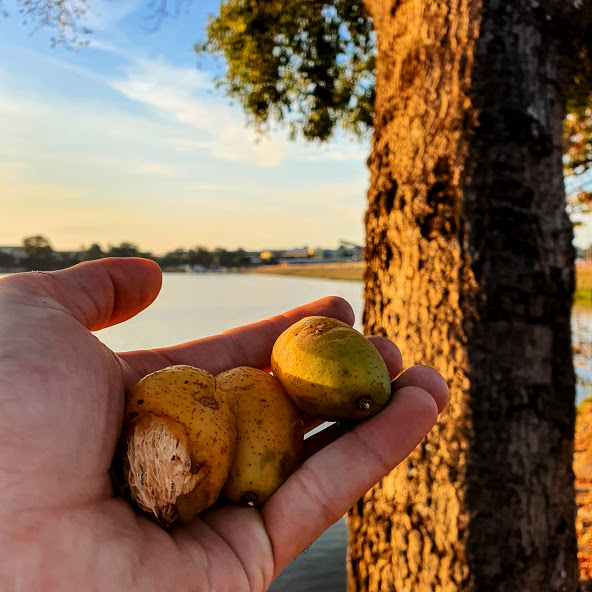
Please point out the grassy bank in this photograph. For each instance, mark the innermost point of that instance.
(355, 271)
(583, 294)
(352, 271)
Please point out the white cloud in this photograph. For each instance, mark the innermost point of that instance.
(153, 74)
(102, 45)
(191, 116)
(180, 95)
(184, 96)
(103, 14)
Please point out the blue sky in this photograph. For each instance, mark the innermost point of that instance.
(128, 140)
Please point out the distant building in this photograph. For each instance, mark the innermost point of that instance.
(254, 257)
(585, 253)
(316, 254)
(299, 255)
(347, 251)
(351, 250)
(343, 253)
(268, 255)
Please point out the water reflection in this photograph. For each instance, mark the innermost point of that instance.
(581, 325)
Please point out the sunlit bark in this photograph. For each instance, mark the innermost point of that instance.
(470, 269)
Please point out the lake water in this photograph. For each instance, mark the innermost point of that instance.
(192, 306)
(197, 305)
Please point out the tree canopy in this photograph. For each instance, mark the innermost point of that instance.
(577, 131)
(37, 247)
(308, 64)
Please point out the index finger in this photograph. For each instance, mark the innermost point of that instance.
(249, 345)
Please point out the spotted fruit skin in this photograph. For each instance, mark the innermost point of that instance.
(331, 370)
(197, 413)
(269, 435)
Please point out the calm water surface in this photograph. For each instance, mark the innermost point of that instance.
(197, 305)
(193, 306)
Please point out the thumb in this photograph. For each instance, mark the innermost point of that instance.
(96, 293)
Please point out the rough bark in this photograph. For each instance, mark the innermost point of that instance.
(470, 270)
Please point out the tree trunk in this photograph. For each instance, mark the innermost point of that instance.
(470, 270)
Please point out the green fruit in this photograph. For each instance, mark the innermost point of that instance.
(269, 435)
(331, 370)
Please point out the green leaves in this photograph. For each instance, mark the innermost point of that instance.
(579, 93)
(308, 64)
(577, 160)
(37, 247)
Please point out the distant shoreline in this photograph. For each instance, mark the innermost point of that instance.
(354, 271)
(347, 270)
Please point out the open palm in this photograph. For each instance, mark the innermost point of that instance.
(61, 404)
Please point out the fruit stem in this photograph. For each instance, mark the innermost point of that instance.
(364, 403)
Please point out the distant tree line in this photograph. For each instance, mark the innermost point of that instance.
(38, 254)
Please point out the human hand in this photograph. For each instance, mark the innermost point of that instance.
(62, 391)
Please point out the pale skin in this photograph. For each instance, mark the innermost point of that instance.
(63, 529)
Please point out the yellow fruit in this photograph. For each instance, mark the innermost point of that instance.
(331, 370)
(269, 435)
(178, 441)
